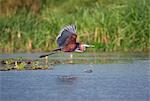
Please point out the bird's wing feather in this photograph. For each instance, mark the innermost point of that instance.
(64, 34)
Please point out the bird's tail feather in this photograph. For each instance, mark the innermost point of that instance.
(53, 52)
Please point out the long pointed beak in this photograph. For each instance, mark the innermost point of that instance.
(88, 46)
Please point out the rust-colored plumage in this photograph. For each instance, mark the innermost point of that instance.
(70, 43)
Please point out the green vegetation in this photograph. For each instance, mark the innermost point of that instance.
(25, 64)
(111, 25)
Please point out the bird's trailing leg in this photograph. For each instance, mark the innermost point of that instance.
(53, 52)
(42, 56)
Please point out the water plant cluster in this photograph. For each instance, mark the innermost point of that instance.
(24, 64)
(110, 25)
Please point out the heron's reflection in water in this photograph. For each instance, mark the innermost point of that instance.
(67, 79)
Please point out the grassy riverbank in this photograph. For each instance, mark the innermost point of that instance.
(111, 25)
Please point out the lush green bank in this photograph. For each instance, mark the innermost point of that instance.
(111, 25)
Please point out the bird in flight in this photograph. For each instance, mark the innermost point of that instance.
(66, 41)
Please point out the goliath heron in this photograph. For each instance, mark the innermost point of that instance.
(66, 41)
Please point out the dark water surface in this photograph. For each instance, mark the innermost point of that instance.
(112, 77)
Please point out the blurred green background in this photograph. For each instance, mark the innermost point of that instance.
(110, 25)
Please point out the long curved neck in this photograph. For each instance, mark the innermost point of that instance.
(82, 47)
(79, 47)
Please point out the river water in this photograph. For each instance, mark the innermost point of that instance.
(82, 77)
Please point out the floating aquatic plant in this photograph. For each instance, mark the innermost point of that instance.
(23, 64)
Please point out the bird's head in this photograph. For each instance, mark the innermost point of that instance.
(82, 47)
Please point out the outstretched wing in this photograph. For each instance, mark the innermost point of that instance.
(66, 35)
